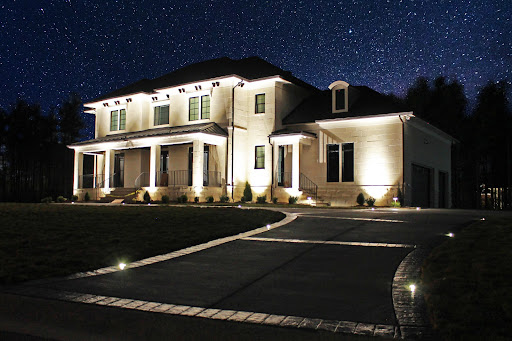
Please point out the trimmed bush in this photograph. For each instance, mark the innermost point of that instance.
(293, 200)
(183, 199)
(74, 198)
(247, 192)
(274, 200)
(147, 197)
(261, 199)
(360, 199)
(46, 200)
(196, 199)
(370, 201)
(87, 197)
(242, 199)
(165, 199)
(395, 204)
(224, 198)
(209, 199)
(61, 199)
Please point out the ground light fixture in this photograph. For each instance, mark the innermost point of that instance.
(418, 208)
(239, 206)
(122, 266)
(451, 235)
(268, 226)
(412, 287)
(482, 219)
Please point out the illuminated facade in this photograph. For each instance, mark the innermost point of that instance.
(208, 128)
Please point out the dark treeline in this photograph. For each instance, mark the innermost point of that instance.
(34, 160)
(483, 158)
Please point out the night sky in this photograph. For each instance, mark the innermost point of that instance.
(49, 48)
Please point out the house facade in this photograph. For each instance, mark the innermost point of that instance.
(208, 128)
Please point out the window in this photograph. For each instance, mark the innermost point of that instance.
(260, 104)
(259, 162)
(205, 107)
(118, 120)
(195, 107)
(161, 114)
(340, 99)
(347, 170)
(333, 163)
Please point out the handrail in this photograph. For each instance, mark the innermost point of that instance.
(307, 185)
(101, 184)
(138, 182)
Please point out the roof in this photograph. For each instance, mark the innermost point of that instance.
(251, 68)
(362, 101)
(288, 132)
(207, 128)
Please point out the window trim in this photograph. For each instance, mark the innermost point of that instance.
(338, 85)
(261, 157)
(159, 114)
(121, 124)
(200, 114)
(256, 103)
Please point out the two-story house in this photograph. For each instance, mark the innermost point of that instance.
(208, 128)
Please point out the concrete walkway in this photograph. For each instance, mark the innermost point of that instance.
(344, 271)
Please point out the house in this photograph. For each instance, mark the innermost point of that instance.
(208, 128)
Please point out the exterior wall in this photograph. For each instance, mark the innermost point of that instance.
(424, 147)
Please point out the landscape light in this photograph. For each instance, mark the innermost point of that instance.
(268, 226)
(122, 266)
(451, 235)
(418, 208)
(239, 206)
(412, 287)
(373, 208)
(482, 219)
(72, 202)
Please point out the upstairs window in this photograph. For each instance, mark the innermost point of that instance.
(260, 104)
(259, 157)
(340, 99)
(195, 107)
(161, 114)
(118, 120)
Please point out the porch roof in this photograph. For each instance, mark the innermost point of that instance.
(210, 128)
(288, 132)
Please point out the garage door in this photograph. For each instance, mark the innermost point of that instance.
(420, 186)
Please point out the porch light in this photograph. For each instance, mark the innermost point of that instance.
(122, 266)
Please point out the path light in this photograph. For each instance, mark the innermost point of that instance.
(373, 208)
(451, 235)
(412, 287)
(72, 202)
(482, 219)
(122, 266)
(418, 208)
(268, 226)
(239, 206)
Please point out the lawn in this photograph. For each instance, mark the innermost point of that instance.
(47, 240)
(468, 283)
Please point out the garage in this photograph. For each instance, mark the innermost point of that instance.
(420, 186)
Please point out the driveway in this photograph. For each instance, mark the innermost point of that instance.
(335, 266)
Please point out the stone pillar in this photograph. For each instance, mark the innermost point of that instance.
(78, 170)
(109, 154)
(154, 164)
(295, 165)
(197, 165)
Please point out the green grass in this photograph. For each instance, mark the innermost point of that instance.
(468, 283)
(47, 240)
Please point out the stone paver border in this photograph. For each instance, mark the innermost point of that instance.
(327, 242)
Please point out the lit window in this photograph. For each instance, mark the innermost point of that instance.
(259, 162)
(196, 106)
(260, 104)
(193, 108)
(347, 170)
(205, 107)
(161, 114)
(118, 120)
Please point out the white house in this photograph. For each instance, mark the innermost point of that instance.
(210, 127)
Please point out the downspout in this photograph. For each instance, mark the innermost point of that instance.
(271, 171)
(240, 84)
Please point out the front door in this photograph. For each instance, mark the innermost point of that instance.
(119, 170)
(164, 167)
(190, 164)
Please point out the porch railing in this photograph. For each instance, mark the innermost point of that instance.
(284, 179)
(90, 180)
(184, 178)
(142, 180)
(308, 186)
(110, 181)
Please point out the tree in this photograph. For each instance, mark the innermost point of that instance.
(70, 121)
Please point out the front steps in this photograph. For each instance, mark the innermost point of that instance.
(120, 195)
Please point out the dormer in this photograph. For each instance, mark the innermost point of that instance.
(339, 94)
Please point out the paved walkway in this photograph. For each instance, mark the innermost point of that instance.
(344, 271)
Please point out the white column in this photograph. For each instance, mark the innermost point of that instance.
(154, 164)
(109, 154)
(295, 165)
(197, 164)
(275, 157)
(78, 169)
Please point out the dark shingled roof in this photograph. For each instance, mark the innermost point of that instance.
(286, 131)
(249, 68)
(208, 128)
(362, 101)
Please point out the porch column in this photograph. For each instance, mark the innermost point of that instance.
(197, 163)
(295, 165)
(275, 158)
(109, 154)
(154, 164)
(78, 170)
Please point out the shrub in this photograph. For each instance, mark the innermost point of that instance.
(242, 199)
(395, 204)
(247, 192)
(74, 198)
(61, 199)
(87, 197)
(274, 200)
(360, 199)
(147, 197)
(209, 199)
(196, 199)
(261, 199)
(165, 199)
(183, 198)
(370, 201)
(224, 198)
(46, 200)
(293, 200)
(400, 196)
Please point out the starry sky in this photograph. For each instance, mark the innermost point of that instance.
(49, 48)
